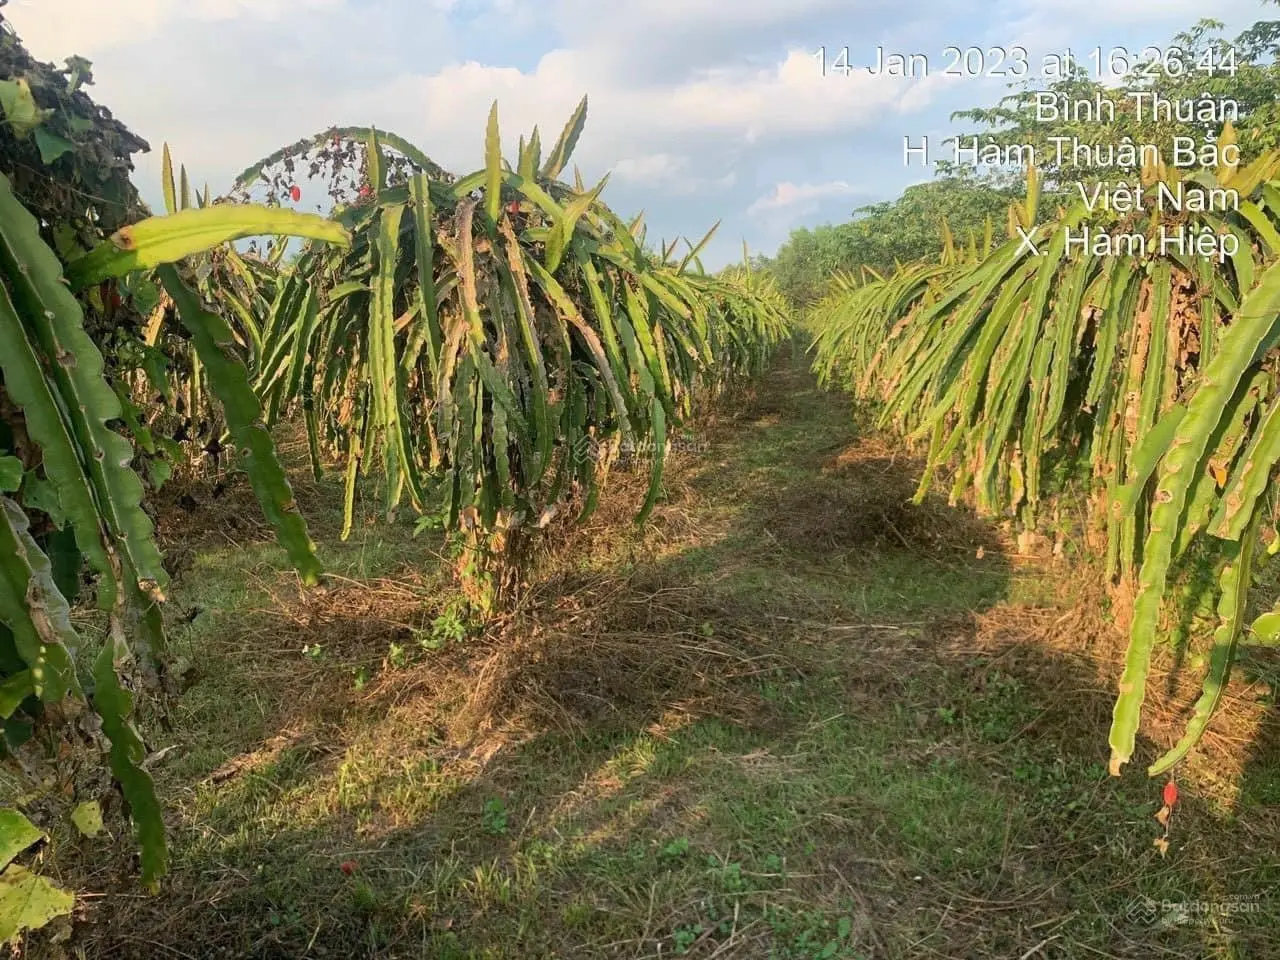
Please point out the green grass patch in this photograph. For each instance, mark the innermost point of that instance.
(769, 728)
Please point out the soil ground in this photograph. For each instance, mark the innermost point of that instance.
(796, 717)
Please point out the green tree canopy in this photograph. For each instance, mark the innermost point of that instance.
(1214, 79)
(882, 234)
(1245, 71)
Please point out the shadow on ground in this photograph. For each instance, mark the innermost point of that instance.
(798, 718)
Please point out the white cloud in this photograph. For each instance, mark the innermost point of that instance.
(671, 175)
(585, 15)
(56, 29)
(685, 95)
(799, 198)
(1182, 13)
(725, 106)
(651, 169)
(791, 97)
(721, 183)
(697, 106)
(252, 100)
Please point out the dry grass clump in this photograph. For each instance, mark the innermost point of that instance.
(607, 656)
(1076, 652)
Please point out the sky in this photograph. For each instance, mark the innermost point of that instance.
(700, 110)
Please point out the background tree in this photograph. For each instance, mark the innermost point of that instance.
(883, 234)
(1244, 70)
(1200, 65)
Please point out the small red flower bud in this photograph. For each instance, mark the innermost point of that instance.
(349, 867)
(296, 192)
(1170, 794)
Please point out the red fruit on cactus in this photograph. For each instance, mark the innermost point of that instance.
(513, 206)
(296, 192)
(364, 191)
(1170, 794)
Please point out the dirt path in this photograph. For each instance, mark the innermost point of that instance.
(796, 718)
